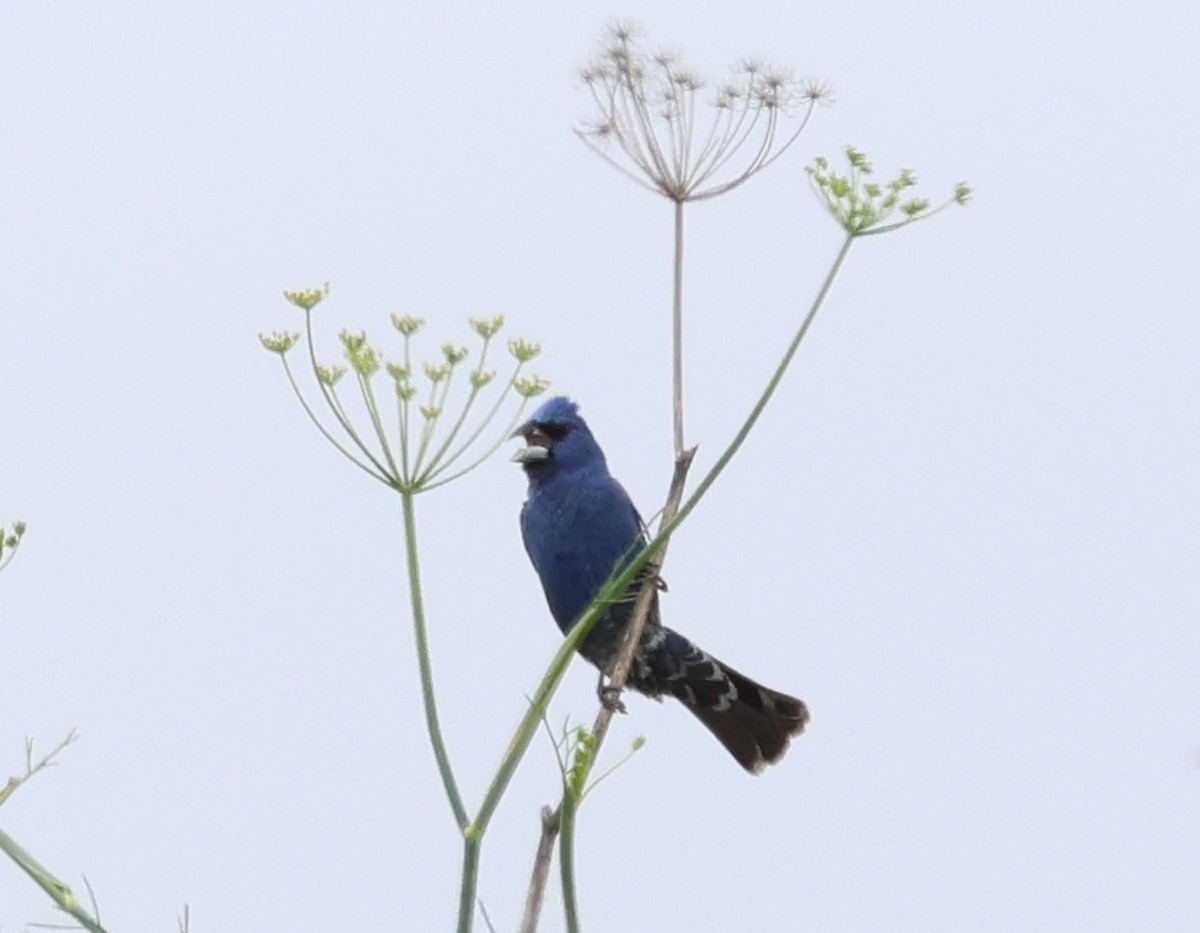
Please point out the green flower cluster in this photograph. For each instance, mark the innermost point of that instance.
(412, 457)
(863, 206)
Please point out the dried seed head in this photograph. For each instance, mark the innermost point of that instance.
(648, 107)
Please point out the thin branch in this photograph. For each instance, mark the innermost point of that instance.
(31, 769)
(641, 610)
(487, 920)
(541, 871)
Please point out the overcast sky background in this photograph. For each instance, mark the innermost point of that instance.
(965, 532)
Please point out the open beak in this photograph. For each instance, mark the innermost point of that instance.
(537, 444)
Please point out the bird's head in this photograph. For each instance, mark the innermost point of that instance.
(557, 440)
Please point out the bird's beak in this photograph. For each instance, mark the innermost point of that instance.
(531, 454)
(537, 444)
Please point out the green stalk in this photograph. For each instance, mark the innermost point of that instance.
(59, 892)
(772, 384)
(312, 416)
(436, 459)
(426, 670)
(566, 858)
(728, 454)
(402, 414)
(504, 435)
(611, 591)
(368, 394)
(470, 882)
(487, 419)
(426, 429)
(331, 400)
(541, 698)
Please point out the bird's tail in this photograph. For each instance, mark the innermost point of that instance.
(754, 723)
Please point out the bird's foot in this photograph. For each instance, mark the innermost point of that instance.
(610, 697)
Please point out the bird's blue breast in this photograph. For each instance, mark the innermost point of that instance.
(577, 528)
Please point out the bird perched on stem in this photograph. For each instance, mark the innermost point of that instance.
(579, 526)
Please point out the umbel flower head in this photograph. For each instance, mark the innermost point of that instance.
(431, 433)
(863, 206)
(652, 124)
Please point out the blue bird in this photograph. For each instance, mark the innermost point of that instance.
(578, 525)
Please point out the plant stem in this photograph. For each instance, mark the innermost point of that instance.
(328, 393)
(566, 859)
(430, 483)
(541, 699)
(426, 670)
(59, 892)
(541, 871)
(677, 333)
(645, 600)
(470, 882)
(372, 406)
(312, 416)
(772, 384)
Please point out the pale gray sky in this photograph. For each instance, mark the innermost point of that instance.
(966, 533)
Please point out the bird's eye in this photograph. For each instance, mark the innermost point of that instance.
(556, 431)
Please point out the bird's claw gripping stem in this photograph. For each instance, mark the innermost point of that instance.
(610, 696)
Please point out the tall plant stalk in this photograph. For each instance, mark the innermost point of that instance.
(677, 333)
(425, 665)
(861, 207)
